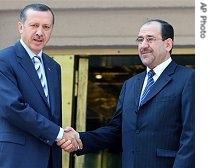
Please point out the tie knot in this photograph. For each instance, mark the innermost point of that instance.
(151, 73)
(37, 59)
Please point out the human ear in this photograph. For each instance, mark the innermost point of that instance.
(169, 44)
(20, 27)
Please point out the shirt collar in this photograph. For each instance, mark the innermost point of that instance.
(160, 68)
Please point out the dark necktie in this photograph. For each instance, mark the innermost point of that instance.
(150, 82)
(37, 65)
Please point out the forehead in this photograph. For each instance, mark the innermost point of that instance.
(150, 29)
(37, 16)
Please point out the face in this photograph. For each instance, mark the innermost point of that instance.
(37, 29)
(151, 48)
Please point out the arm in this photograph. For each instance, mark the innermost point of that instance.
(186, 153)
(101, 138)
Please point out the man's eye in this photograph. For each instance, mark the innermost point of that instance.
(46, 27)
(140, 39)
(34, 25)
(150, 39)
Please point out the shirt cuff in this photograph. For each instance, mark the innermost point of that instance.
(60, 134)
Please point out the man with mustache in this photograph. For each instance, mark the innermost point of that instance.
(155, 115)
(30, 91)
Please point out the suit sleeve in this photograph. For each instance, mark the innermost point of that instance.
(186, 154)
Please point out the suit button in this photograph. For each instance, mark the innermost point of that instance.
(48, 141)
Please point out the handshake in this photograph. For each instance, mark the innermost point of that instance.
(70, 141)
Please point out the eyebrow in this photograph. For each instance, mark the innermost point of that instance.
(147, 36)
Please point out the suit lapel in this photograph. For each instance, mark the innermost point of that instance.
(49, 72)
(138, 87)
(28, 66)
(162, 81)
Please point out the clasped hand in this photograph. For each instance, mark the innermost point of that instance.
(70, 141)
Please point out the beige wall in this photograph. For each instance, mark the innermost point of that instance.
(100, 23)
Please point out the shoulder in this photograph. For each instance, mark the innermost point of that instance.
(12, 51)
(181, 70)
(136, 78)
(4, 52)
(186, 70)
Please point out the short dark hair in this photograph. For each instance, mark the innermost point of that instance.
(167, 30)
(35, 7)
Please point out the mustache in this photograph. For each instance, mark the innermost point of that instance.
(37, 37)
(145, 50)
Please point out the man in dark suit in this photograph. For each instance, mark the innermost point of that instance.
(30, 115)
(157, 129)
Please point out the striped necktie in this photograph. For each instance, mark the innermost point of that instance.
(38, 66)
(150, 82)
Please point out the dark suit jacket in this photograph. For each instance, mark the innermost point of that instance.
(159, 134)
(28, 124)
